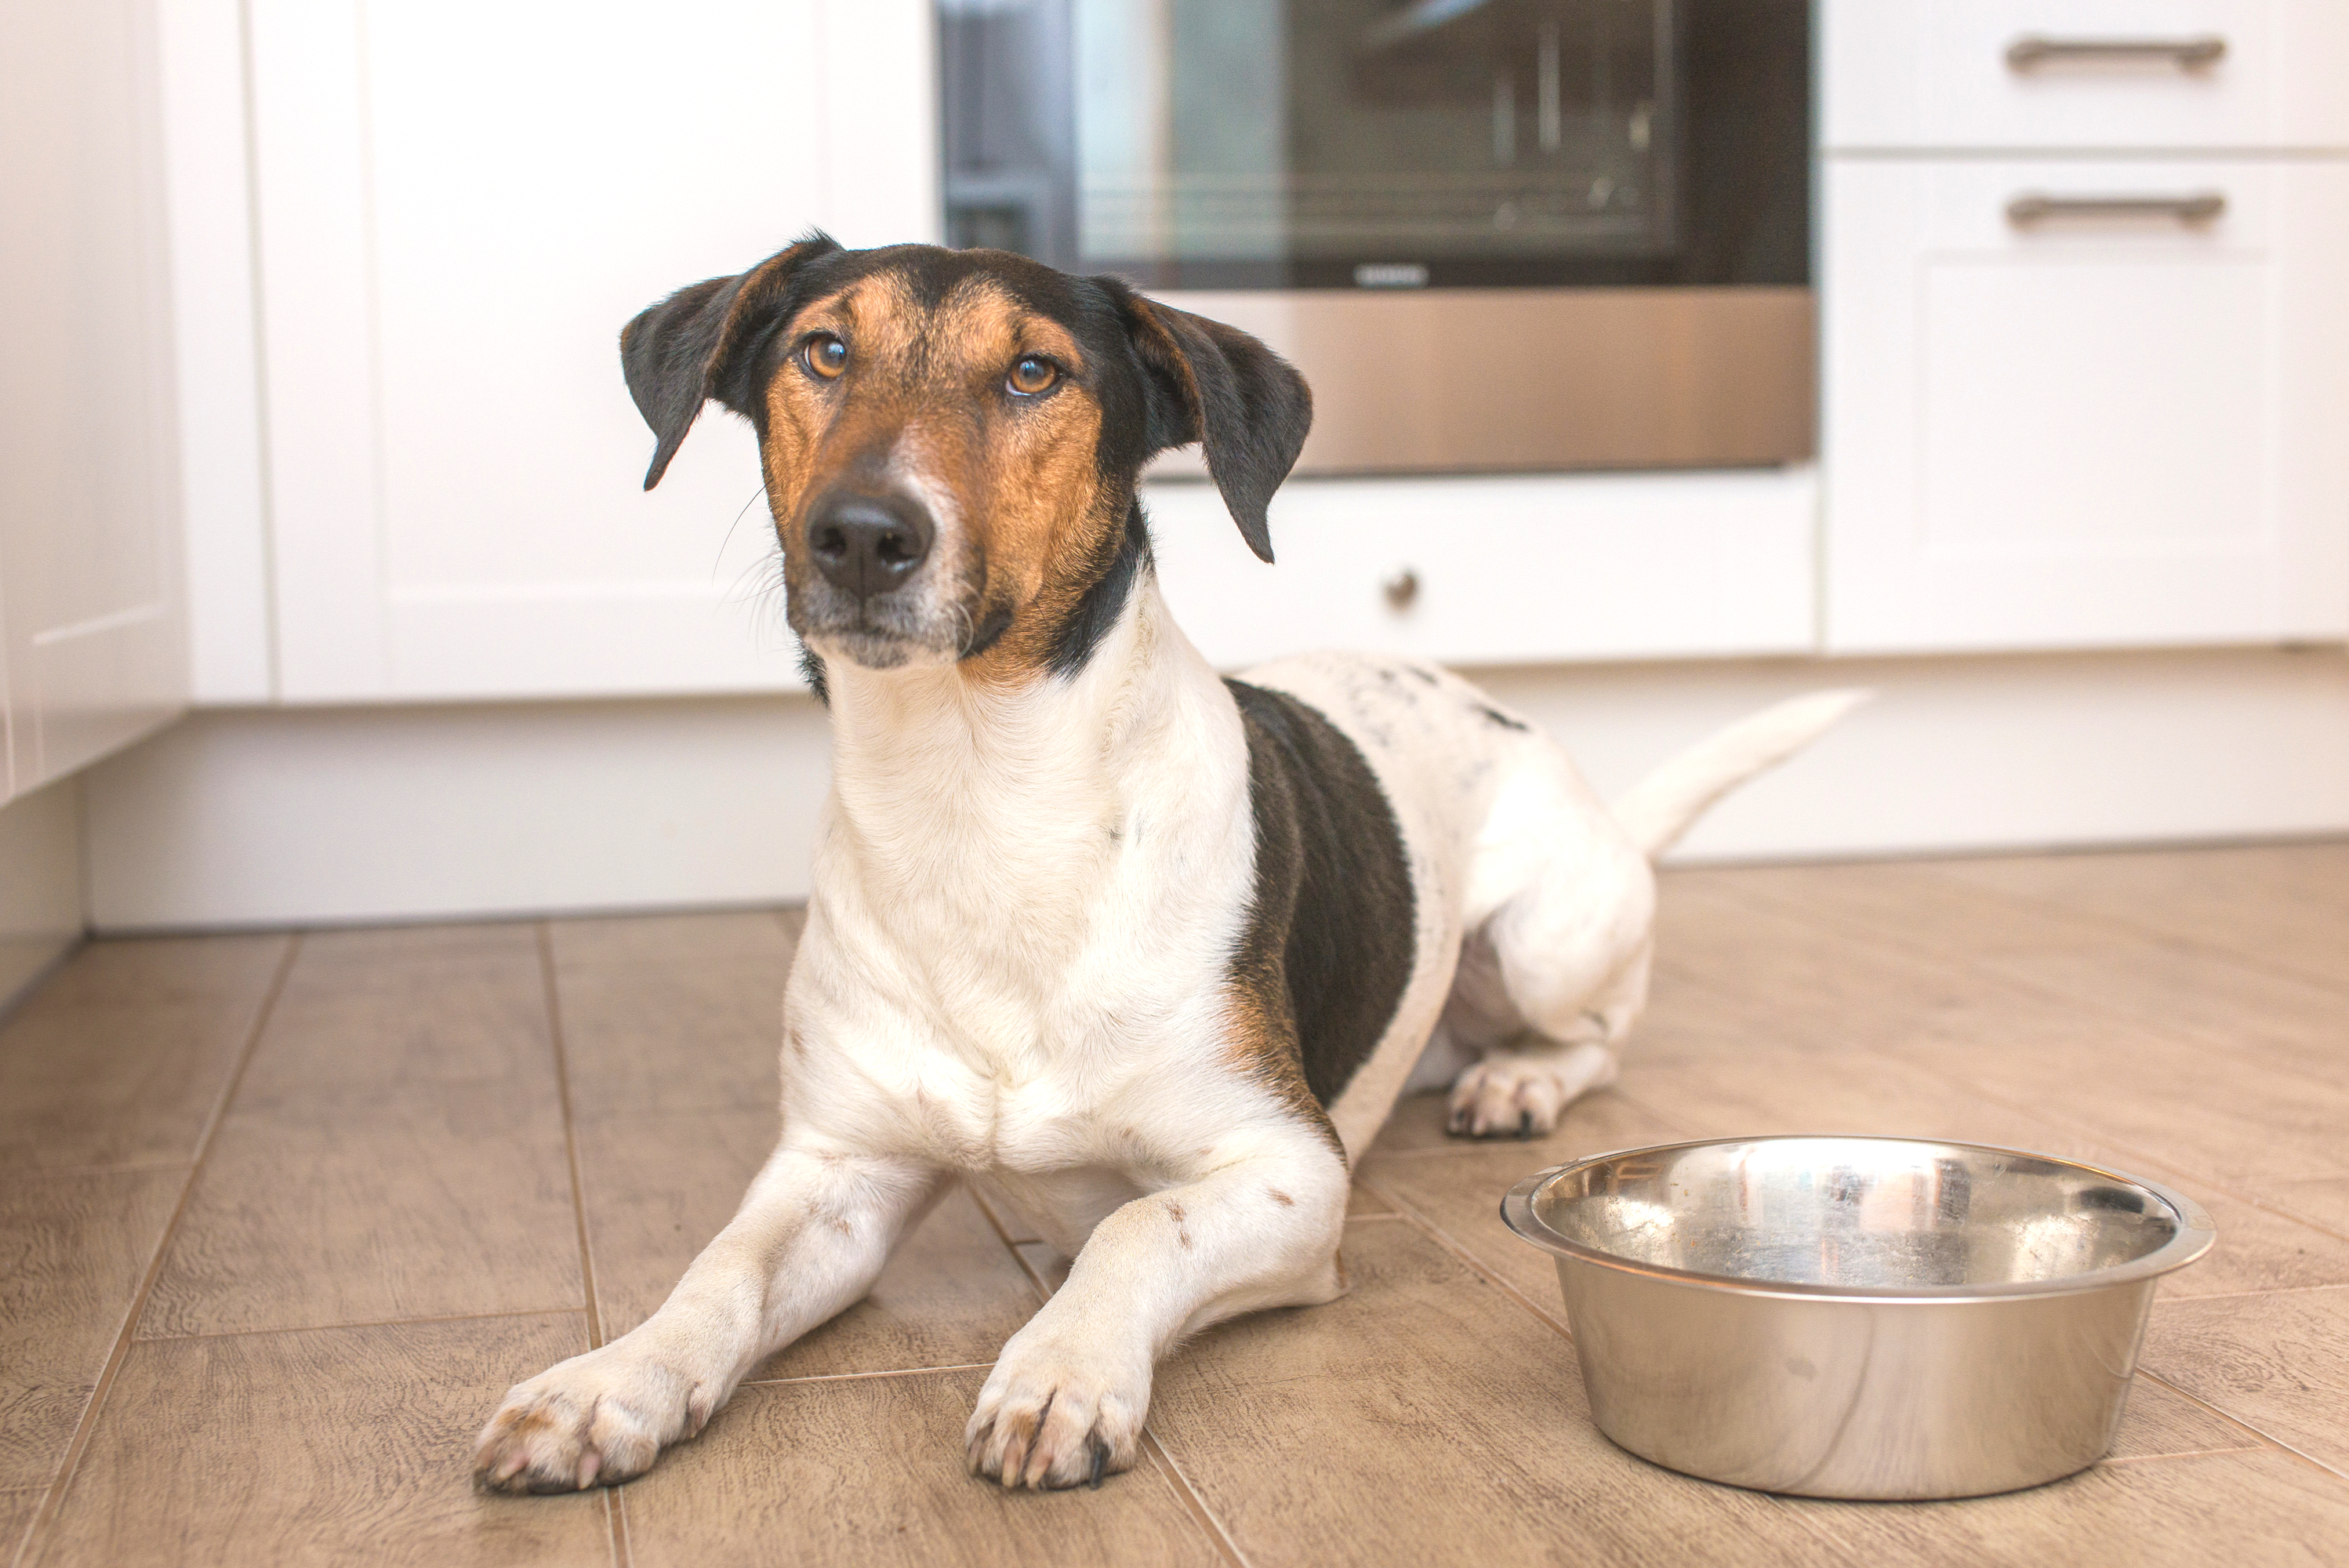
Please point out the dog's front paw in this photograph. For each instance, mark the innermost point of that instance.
(1521, 1094)
(1056, 1412)
(602, 1417)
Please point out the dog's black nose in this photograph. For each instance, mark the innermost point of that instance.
(867, 544)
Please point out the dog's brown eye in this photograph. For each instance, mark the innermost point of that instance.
(1032, 375)
(827, 355)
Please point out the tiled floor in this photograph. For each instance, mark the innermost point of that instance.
(282, 1217)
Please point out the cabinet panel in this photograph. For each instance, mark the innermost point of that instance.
(2096, 429)
(1938, 74)
(89, 562)
(452, 238)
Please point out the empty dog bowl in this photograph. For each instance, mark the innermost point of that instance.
(1856, 1318)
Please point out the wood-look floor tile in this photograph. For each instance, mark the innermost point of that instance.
(371, 1013)
(721, 936)
(2279, 906)
(395, 1150)
(2261, 1509)
(1427, 1417)
(2277, 1361)
(869, 1471)
(17, 1508)
(74, 1247)
(342, 1445)
(434, 1204)
(2178, 992)
(120, 1055)
(643, 1038)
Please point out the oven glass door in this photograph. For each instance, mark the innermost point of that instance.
(1233, 143)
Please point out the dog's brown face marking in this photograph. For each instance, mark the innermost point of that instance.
(972, 405)
(950, 440)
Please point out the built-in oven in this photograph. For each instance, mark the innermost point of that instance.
(1494, 234)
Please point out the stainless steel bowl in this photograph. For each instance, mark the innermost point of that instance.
(1858, 1318)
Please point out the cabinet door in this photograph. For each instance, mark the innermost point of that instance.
(460, 206)
(92, 633)
(2085, 431)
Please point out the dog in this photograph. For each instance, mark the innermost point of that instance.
(1149, 952)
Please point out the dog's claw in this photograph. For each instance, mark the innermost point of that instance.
(1101, 1464)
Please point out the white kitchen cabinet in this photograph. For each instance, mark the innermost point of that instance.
(2010, 74)
(2086, 432)
(92, 614)
(458, 206)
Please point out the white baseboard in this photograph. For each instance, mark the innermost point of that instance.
(40, 884)
(273, 816)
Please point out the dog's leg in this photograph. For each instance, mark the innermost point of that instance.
(811, 1236)
(1567, 966)
(1065, 1402)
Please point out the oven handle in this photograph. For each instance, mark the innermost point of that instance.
(2187, 54)
(2037, 206)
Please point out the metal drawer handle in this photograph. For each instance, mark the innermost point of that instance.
(2185, 54)
(2033, 207)
(1401, 589)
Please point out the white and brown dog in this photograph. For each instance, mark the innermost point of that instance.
(1151, 951)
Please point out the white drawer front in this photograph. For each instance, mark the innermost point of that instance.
(2095, 429)
(1501, 570)
(2025, 75)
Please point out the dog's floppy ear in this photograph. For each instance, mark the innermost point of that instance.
(695, 344)
(1215, 384)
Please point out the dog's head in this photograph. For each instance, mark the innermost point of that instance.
(950, 438)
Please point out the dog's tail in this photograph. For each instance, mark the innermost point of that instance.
(1667, 802)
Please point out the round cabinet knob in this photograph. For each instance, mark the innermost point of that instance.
(1402, 589)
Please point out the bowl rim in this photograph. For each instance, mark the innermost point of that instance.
(2194, 1237)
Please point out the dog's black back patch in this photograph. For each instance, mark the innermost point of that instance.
(1331, 929)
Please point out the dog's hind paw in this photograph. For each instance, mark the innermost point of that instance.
(1521, 1094)
(600, 1418)
(1050, 1418)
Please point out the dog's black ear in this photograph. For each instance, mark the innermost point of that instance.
(696, 343)
(1215, 384)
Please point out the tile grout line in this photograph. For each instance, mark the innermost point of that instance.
(863, 1376)
(2108, 1461)
(1168, 1470)
(615, 1529)
(545, 932)
(63, 1481)
(563, 1310)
